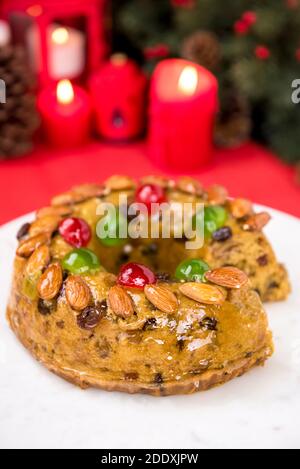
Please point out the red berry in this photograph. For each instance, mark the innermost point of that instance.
(250, 17)
(149, 194)
(262, 52)
(241, 28)
(136, 276)
(76, 232)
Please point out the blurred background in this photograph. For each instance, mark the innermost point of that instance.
(252, 46)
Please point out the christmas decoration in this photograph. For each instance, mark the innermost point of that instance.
(66, 113)
(67, 51)
(298, 174)
(46, 13)
(183, 107)
(202, 47)
(234, 124)
(259, 48)
(119, 95)
(18, 117)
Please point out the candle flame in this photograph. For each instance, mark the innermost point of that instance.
(60, 36)
(65, 92)
(188, 80)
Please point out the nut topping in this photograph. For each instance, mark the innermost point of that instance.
(228, 277)
(38, 261)
(28, 246)
(67, 198)
(203, 293)
(217, 195)
(257, 222)
(162, 298)
(161, 181)
(120, 302)
(190, 186)
(46, 224)
(240, 208)
(89, 191)
(50, 282)
(78, 293)
(120, 183)
(62, 211)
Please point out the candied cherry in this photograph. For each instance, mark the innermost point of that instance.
(136, 276)
(81, 261)
(215, 218)
(149, 194)
(192, 270)
(75, 232)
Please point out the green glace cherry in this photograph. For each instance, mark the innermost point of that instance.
(81, 261)
(112, 229)
(192, 270)
(215, 218)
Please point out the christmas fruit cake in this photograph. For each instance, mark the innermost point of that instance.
(145, 315)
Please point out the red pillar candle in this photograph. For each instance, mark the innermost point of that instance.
(119, 97)
(183, 106)
(66, 115)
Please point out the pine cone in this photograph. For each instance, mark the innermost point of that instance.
(234, 124)
(18, 116)
(203, 47)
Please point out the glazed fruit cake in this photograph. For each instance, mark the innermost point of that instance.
(145, 315)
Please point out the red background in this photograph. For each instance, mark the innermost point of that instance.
(251, 172)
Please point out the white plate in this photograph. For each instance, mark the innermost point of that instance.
(259, 410)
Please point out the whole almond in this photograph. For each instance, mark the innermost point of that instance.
(190, 186)
(217, 195)
(203, 293)
(46, 224)
(257, 222)
(38, 261)
(62, 211)
(228, 277)
(50, 282)
(78, 293)
(67, 198)
(240, 208)
(120, 302)
(120, 183)
(161, 181)
(88, 191)
(162, 298)
(28, 246)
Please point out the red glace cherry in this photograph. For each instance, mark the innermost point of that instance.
(75, 231)
(149, 194)
(136, 276)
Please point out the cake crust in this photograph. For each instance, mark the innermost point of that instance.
(191, 385)
(170, 337)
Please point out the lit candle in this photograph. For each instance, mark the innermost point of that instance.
(119, 95)
(66, 51)
(5, 34)
(183, 106)
(66, 115)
